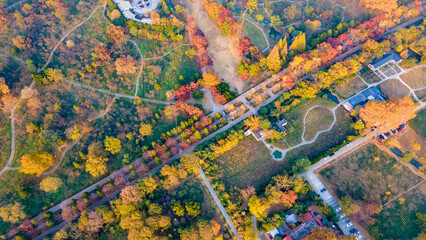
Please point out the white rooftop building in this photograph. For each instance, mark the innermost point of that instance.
(137, 10)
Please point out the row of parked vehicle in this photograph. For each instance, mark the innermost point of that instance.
(401, 127)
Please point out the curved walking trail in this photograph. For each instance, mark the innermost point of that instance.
(71, 145)
(230, 124)
(304, 120)
(68, 33)
(13, 135)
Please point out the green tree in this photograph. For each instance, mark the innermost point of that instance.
(348, 205)
(112, 144)
(198, 94)
(301, 165)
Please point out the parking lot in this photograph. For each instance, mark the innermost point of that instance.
(344, 223)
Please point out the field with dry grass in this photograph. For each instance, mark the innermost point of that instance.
(369, 175)
(317, 119)
(415, 78)
(394, 89)
(249, 164)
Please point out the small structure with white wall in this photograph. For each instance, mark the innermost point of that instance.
(137, 10)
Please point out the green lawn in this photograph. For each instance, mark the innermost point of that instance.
(398, 221)
(250, 164)
(255, 35)
(318, 119)
(295, 117)
(418, 123)
(369, 174)
(327, 140)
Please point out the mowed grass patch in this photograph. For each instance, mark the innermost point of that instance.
(255, 35)
(295, 117)
(398, 221)
(415, 78)
(318, 119)
(326, 140)
(249, 164)
(418, 123)
(393, 88)
(346, 89)
(369, 174)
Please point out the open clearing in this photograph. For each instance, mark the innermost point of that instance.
(249, 164)
(415, 78)
(347, 89)
(407, 140)
(295, 116)
(327, 140)
(221, 50)
(369, 175)
(394, 89)
(397, 221)
(418, 123)
(255, 35)
(421, 94)
(318, 119)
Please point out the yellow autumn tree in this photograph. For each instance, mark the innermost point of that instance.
(145, 130)
(273, 60)
(50, 184)
(253, 122)
(210, 79)
(96, 160)
(389, 114)
(299, 43)
(112, 144)
(36, 163)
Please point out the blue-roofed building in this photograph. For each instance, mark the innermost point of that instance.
(362, 98)
(389, 57)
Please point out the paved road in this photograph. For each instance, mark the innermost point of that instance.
(318, 185)
(219, 204)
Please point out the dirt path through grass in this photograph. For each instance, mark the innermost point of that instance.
(220, 49)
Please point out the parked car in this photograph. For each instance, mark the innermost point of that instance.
(349, 144)
(349, 224)
(354, 231)
(337, 151)
(338, 209)
(323, 190)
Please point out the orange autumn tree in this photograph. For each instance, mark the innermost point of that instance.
(125, 65)
(379, 5)
(388, 114)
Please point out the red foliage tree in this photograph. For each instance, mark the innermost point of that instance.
(204, 61)
(244, 44)
(289, 198)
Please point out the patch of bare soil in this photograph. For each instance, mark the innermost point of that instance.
(407, 139)
(221, 49)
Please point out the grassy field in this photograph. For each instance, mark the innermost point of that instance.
(398, 220)
(295, 118)
(255, 35)
(4, 139)
(160, 76)
(347, 89)
(394, 88)
(318, 119)
(369, 174)
(249, 164)
(326, 140)
(415, 78)
(418, 123)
